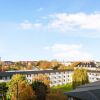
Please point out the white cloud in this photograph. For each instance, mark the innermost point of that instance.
(26, 25)
(79, 23)
(69, 52)
(65, 22)
(64, 47)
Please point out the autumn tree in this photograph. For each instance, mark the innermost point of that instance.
(17, 88)
(55, 64)
(27, 94)
(56, 94)
(29, 66)
(41, 86)
(0, 68)
(44, 64)
(80, 77)
(43, 78)
(73, 65)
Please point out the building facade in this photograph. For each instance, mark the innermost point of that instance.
(56, 77)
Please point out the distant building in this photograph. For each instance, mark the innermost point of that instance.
(7, 63)
(66, 63)
(92, 68)
(89, 65)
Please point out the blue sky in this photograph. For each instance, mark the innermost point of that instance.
(50, 29)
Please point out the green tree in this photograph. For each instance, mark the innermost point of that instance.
(80, 77)
(40, 90)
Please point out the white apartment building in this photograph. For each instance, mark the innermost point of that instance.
(56, 77)
(94, 75)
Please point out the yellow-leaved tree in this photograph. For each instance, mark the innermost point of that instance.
(19, 89)
(80, 77)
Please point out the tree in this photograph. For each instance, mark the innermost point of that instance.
(73, 65)
(42, 78)
(0, 67)
(3, 90)
(80, 77)
(17, 87)
(40, 90)
(27, 94)
(41, 86)
(44, 64)
(56, 94)
(55, 64)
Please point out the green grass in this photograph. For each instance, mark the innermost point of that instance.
(65, 88)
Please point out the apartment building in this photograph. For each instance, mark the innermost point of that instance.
(89, 65)
(56, 77)
(94, 75)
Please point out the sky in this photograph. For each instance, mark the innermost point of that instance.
(65, 30)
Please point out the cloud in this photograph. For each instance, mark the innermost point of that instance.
(64, 47)
(79, 24)
(68, 52)
(26, 25)
(73, 21)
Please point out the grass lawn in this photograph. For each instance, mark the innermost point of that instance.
(65, 88)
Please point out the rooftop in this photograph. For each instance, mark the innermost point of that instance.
(86, 92)
(10, 73)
